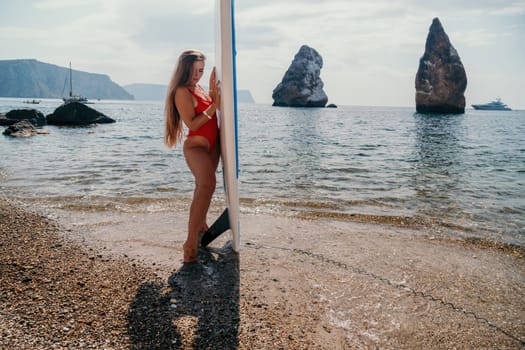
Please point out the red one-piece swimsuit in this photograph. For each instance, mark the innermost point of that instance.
(210, 129)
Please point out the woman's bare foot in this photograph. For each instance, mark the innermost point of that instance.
(190, 253)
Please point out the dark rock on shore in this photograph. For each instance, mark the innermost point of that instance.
(4, 121)
(441, 79)
(14, 116)
(331, 105)
(302, 85)
(77, 114)
(22, 128)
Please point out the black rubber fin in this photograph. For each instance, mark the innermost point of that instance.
(220, 225)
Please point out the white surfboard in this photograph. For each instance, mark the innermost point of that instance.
(225, 70)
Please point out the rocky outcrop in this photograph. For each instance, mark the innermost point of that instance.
(4, 121)
(77, 114)
(441, 79)
(302, 85)
(14, 116)
(23, 128)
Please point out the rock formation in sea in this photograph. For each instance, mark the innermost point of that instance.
(441, 79)
(36, 118)
(77, 114)
(302, 85)
(23, 128)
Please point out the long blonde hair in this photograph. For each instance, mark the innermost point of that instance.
(180, 77)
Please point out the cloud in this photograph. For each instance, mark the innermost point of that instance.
(167, 30)
(374, 45)
(514, 9)
(62, 4)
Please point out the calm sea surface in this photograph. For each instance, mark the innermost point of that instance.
(461, 171)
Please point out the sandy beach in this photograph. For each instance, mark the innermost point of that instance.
(101, 280)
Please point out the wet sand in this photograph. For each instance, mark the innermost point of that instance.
(116, 281)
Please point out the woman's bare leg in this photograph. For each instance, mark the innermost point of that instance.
(202, 166)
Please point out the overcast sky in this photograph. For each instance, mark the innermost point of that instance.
(370, 48)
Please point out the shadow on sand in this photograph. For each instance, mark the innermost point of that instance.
(198, 308)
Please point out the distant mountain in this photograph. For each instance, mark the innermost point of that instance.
(35, 79)
(245, 96)
(157, 92)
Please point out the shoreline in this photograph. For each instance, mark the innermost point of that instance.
(115, 280)
(512, 240)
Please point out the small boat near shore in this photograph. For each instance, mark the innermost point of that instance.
(495, 105)
(33, 101)
(72, 97)
(75, 98)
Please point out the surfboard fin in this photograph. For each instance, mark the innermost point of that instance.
(220, 225)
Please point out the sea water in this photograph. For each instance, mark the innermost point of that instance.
(464, 171)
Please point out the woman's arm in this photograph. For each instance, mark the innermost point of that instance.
(185, 105)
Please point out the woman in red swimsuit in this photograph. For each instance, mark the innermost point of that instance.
(187, 102)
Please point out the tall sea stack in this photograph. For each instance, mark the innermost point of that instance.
(441, 79)
(302, 85)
